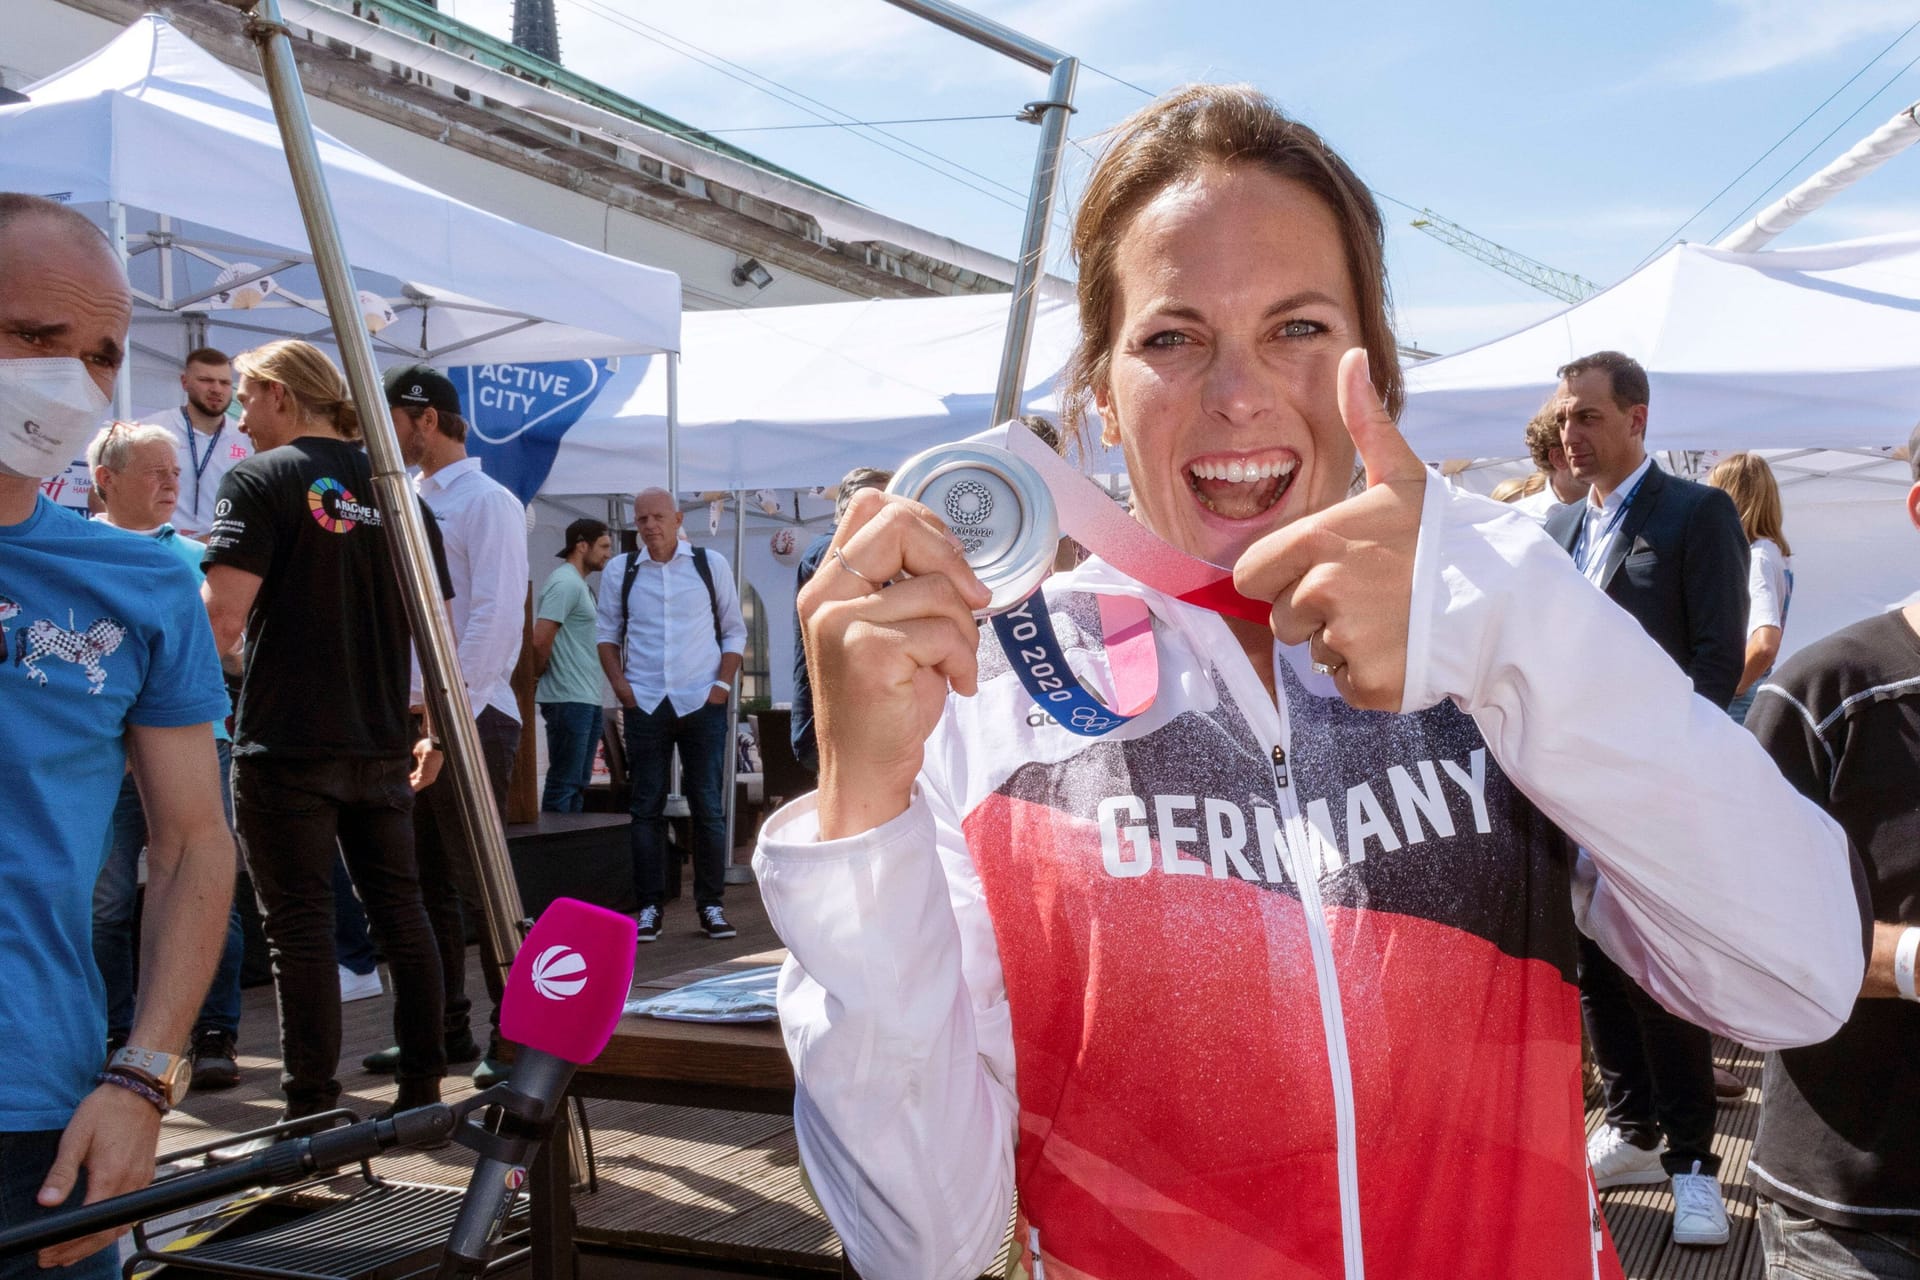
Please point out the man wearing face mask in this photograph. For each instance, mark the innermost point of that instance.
(109, 655)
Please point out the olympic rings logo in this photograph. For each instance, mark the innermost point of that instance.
(969, 502)
(1089, 720)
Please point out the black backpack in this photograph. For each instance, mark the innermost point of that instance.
(700, 567)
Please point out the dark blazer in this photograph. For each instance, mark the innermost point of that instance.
(1679, 565)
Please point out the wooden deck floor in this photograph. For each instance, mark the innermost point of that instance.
(727, 1186)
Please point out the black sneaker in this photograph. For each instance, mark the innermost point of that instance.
(649, 924)
(214, 1062)
(714, 922)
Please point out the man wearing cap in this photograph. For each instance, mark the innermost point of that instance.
(485, 530)
(569, 667)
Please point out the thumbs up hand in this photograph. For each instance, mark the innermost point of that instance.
(1342, 579)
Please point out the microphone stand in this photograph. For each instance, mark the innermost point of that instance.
(281, 1164)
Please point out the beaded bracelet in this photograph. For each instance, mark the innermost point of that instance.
(133, 1084)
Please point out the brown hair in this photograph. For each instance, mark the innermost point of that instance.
(303, 369)
(1625, 376)
(1749, 481)
(1170, 139)
(1543, 433)
(206, 355)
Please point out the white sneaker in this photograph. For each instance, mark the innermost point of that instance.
(1618, 1163)
(359, 986)
(1699, 1210)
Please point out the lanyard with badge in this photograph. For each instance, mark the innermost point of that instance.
(1008, 507)
(200, 464)
(1582, 548)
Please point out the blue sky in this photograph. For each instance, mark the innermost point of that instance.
(1582, 136)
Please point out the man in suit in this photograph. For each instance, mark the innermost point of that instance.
(1671, 553)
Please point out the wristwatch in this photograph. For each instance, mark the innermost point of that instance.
(166, 1072)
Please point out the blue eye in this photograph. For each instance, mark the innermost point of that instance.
(1301, 328)
(1169, 338)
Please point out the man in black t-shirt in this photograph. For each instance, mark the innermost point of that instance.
(1837, 1162)
(324, 748)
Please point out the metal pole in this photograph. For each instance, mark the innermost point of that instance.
(733, 698)
(673, 424)
(123, 382)
(1052, 116)
(1872, 151)
(1033, 241)
(400, 513)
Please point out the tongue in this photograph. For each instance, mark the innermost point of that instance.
(1239, 499)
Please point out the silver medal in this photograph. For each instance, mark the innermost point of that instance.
(999, 508)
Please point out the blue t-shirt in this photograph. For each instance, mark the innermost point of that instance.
(101, 629)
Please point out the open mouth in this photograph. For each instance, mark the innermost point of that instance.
(1241, 488)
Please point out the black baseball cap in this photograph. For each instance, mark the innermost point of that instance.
(421, 386)
(585, 530)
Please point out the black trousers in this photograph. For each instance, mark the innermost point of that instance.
(447, 867)
(1657, 1068)
(294, 817)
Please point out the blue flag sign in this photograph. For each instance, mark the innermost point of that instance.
(517, 414)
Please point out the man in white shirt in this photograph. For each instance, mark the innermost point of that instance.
(671, 640)
(1550, 459)
(485, 531)
(209, 445)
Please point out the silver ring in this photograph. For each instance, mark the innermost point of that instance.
(842, 562)
(1322, 669)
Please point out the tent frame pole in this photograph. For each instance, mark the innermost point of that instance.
(123, 381)
(1051, 116)
(400, 514)
(673, 424)
(733, 696)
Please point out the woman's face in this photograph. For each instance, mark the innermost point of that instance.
(1232, 308)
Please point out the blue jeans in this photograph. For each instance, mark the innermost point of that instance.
(651, 737)
(24, 1161)
(114, 897)
(573, 731)
(1798, 1248)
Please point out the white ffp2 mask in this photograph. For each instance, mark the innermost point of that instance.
(48, 410)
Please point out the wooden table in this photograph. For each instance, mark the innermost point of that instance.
(721, 1066)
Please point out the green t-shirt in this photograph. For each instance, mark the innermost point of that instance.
(573, 672)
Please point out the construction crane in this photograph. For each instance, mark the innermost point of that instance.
(1563, 285)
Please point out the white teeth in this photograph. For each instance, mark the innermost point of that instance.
(1239, 472)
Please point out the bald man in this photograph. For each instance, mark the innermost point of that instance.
(671, 640)
(111, 659)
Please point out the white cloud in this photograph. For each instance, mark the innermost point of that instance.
(1762, 35)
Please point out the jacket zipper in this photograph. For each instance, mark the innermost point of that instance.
(1297, 849)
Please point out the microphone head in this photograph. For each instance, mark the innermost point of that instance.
(569, 981)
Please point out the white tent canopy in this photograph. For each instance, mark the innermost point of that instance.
(1809, 356)
(784, 397)
(1794, 349)
(153, 129)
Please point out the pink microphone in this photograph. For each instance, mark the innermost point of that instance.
(569, 981)
(563, 999)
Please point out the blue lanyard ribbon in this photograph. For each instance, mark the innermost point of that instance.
(1582, 555)
(1026, 634)
(200, 464)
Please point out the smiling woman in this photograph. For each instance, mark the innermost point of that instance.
(1263, 982)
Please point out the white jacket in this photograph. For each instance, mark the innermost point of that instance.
(1289, 989)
